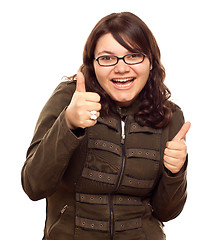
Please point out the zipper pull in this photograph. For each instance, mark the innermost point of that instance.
(122, 132)
(64, 209)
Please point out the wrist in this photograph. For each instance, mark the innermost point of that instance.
(68, 122)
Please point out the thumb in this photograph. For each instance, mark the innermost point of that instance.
(80, 82)
(182, 132)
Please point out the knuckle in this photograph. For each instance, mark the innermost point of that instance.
(98, 97)
(80, 115)
(81, 123)
(165, 158)
(166, 151)
(168, 144)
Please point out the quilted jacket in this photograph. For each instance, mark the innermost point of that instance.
(103, 182)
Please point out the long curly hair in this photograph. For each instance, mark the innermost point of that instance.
(155, 109)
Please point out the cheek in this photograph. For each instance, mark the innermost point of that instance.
(144, 73)
(97, 71)
(101, 75)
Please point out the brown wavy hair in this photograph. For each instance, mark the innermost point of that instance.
(155, 109)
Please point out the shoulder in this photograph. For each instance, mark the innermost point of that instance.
(60, 98)
(177, 114)
(63, 92)
(67, 85)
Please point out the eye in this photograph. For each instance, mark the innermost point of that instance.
(134, 58)
(107, 58)
(134, 55)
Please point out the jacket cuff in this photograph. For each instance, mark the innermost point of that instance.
(69, 137)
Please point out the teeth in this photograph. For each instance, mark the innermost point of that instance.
(122, 80)
(124, 84)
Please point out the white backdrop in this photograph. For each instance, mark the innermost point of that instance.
(42, 40)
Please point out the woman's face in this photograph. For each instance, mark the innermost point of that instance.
(122, 82)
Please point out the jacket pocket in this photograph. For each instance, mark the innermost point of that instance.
(56, 223)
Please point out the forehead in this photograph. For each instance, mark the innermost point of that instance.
(108, 44)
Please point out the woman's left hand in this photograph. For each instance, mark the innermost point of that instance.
(176, 150)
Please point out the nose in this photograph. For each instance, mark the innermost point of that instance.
(121, 67)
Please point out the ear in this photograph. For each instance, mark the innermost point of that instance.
(150, 67)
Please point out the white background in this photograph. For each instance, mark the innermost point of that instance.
(42, 40)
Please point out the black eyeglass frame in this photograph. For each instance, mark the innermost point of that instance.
(119, 58)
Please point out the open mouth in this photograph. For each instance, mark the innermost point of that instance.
(123, 83)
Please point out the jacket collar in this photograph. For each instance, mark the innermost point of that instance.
(130, 110)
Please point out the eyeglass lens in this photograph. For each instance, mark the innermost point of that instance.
(109, 60)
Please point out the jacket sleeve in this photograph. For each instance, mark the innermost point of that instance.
(51, 147)
(170, 194)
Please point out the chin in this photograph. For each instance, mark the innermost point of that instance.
(124, 103)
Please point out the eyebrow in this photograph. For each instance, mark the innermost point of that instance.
(109, 52)
(105, 52)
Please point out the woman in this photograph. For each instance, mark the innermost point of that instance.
(108, 152)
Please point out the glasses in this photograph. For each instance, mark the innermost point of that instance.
(130, 59)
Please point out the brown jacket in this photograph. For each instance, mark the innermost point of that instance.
(105, 182)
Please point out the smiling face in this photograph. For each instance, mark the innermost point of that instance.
(122, 82)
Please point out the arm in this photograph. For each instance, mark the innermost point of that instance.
(170, 194)
(51, 147)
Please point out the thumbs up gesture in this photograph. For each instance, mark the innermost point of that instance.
(78, 113)
(176, 150)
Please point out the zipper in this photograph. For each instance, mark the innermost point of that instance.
(122, 132)
(58, 220)
(123, 155)
(111, 221)
(119, 179)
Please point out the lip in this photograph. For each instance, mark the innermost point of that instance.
(123, 83)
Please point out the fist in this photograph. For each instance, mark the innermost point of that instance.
(176, 150)
(78, 113)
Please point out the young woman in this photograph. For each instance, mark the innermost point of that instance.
(108, 152)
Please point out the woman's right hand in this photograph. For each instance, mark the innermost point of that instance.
(78, 113)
